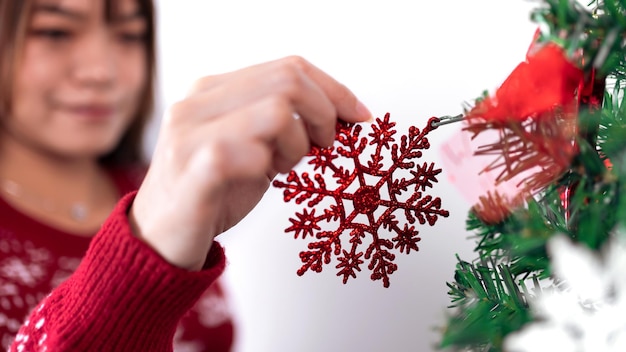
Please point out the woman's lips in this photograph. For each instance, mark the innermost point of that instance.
(92, 111)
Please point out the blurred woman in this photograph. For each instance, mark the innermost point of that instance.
(76, 85)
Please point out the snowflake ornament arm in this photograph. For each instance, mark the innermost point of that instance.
(364, 200)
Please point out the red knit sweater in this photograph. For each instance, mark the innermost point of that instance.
(121, 296)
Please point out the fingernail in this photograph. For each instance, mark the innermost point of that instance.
(363, 111)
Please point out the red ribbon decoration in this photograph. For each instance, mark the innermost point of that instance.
(534, 112)
(546, 79)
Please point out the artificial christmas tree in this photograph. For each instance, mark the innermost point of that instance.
(548, 268)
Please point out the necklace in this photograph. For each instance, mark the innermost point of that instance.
(77, 211)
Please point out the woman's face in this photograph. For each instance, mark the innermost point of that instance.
(80, 77)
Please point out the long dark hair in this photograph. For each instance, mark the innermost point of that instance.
(14, 17)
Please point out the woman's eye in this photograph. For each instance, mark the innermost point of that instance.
(132, 38)
(53, 34)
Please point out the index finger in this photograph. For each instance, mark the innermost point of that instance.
(349, 107)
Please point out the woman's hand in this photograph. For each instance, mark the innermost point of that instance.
(220, 147)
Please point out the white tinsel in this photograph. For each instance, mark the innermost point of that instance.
(589, 314)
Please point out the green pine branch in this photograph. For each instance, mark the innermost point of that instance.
(489, 306)
(597, 29)
(489, 296)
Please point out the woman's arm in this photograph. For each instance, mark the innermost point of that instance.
(217, 152)
(220, 147)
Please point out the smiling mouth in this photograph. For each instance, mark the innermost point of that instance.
(92, 111)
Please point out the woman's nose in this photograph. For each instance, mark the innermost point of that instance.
(94, 62)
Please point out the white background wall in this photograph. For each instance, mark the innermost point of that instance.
(412, 59)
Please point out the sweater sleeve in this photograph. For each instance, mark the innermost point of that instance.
(122, 297)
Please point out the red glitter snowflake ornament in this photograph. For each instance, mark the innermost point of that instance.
(371, 230)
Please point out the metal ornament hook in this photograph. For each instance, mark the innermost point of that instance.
(444, 120)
